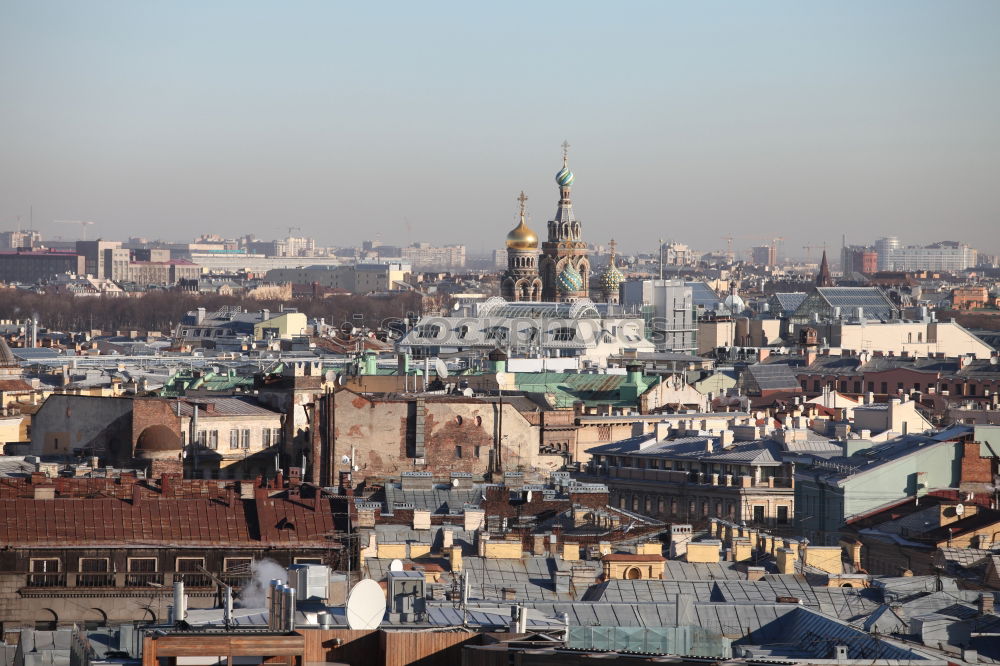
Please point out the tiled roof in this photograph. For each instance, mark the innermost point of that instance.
(205, 515)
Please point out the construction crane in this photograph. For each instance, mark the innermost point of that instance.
(83, 225)
(810, 248)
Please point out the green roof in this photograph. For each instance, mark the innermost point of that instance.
(572, 387)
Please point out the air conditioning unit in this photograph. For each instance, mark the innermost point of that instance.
(311, 581)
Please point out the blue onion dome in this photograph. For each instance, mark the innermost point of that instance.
(522, 237)
(612, 278)
(564, 177)
(569, 279)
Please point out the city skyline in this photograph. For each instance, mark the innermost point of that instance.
(803, 120)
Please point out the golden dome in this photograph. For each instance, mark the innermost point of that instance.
(522, 238)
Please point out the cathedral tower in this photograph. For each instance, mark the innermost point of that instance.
(520, 281)
(564, 268)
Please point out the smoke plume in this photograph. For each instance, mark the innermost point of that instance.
(254, 593)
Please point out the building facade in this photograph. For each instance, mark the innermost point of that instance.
(33, 266)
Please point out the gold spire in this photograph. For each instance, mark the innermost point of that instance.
(521, 199)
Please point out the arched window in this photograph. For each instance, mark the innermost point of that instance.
(633, 573)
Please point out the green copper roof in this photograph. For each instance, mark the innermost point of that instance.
(571, 387)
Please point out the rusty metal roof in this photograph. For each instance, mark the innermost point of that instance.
(135, 513)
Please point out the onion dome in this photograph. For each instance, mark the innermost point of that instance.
(522, 238)
(564, 177)
(569, 279)
(612, 278)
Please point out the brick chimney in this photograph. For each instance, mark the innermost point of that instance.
(986, 602)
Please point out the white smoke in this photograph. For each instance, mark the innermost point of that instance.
(254, 593)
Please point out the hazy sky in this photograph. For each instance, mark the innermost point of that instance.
(411, 121)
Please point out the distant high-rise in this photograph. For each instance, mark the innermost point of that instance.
(946, 256)
(765, 255)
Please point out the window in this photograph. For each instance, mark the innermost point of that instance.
(604, 433)
(885, 387)
(816, 385)
(45, 572)
(458, 451)
(234, 439)
(308, 560)
(477, 450)
(758, 513)
(498, 333)
(782, 515)
(265, 437)
(203, 438)
(246, 439)
(213, 439)
(94, 573)
(857, 387)
(142, 572)
(237, 564)
(428, 331)
(190, 564)
(564, 334)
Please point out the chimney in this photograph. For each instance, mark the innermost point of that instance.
(45, 492)
(455, 558)
(755, 573)
(986, 602)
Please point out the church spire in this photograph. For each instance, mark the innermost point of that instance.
(823, 277)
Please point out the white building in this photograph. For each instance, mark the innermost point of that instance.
(944, 256)
(668, 308)
(581, 329)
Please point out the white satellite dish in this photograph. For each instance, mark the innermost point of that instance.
(365, 605)
(345, 459)
(959, 509)
(396, 565)
(528, 498)
(454, 483)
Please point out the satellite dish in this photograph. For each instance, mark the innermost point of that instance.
(454, 483)
(959, 509)
(528, 497)
(345, 459)
(365, 605)
(396, 565)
